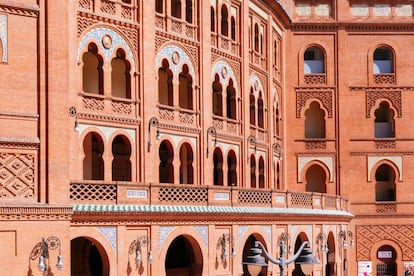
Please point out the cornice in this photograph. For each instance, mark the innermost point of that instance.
(19, 142)
(107, 19)
(19, 9)
(35, 212)
(363, 25)
(106, 118)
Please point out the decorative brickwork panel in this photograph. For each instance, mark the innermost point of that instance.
(298, 200)
(126, 12)
(315, 79)
(394, 96)
(186, 118)
(183, 195)
(108, 7)
(315, 144)
(86, 4)
(386, 208)
(324, 95)
(93, 192)
(93, 104)
(384, 79)
(166, 114)
(17, 175)
(385, 144)
(121, 108)
(255, 197)
(369, 235)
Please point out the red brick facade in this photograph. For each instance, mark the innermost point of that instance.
(165, 137)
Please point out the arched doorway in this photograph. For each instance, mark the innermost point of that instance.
(246, 251)
(386, 257)
(184, 258)
(331, 261)
(88, 258)
(302, 237)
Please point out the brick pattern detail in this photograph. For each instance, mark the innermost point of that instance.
(93, 192)
(108, 7)
(384, 79)
(85, 4)
(315, 144)
(130, 31)
(324, 95)
(254, 197)
(183, 195)
(298, 200)
(385, 144)
(392, 95)
(368, 235)
(315, 79)
(17, 175)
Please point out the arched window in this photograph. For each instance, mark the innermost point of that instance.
(166, 167)
(176, 8)
(278, 176)
(384, 121)
(315, 121)
(165, 86)
(275, 54)
(383, 61)
(159, 6)
(93, 164)
(218, 167)
(217, 96)
(232, 169)
(260, 111)
(121, 76)
(212, 19)
(121, 164)
(252, 104)
(261, 173)
(92, 72)
(185, 89)
(231, 100)
(385, 183)
(233, 28)
(277, 119)
(186, 164)
(256, 38)
(224, 20)
(189, 11)
(316, 179)
(314, 61)
(252, 171)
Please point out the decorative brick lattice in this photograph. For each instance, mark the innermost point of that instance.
(186, 118)
(190, 31)
(166, 114)
(126, 13)
(218, 124)
(17, 175)
(93, 192)
(85, 4)
(315, 79)
(224, 44)
(108, 7)
(84, 23)
(393, 95)
(232, 127)
(122, 108)
(300, 200)
(369, 235)
(330, 202)
(94, 104)
(315, 144)
(159, 22)
(385, 144)
(384, 79)
(324, 95)
(254, 197)
(386, 208)
(176, 26)
(183, 195)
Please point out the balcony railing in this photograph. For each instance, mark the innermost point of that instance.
(94, 103)
(97, 192)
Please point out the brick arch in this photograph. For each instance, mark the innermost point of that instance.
(176, 57)
(104, 33)
(374, 162)
(326, 162)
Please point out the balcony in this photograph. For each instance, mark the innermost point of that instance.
(127, 12)
(99, 104)
(178, 115)
(177, 26)
(112, 193)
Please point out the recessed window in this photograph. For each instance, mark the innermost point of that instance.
(314, 61)
(383, 61)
